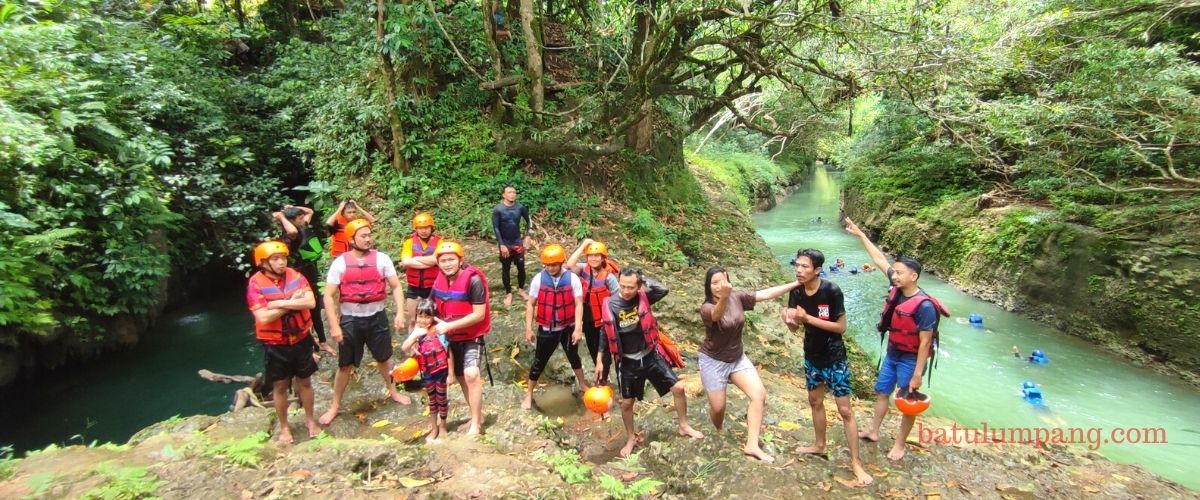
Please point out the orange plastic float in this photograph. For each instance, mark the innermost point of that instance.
(598, 399)
(405, 371)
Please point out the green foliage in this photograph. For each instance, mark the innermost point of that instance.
(616, 489)
(129, 151)
(654, 240)
(7, 462)
(124, 483)
(245, 451)
(749, 177)
(566, 464)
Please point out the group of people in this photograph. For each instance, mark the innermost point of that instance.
(583, 296)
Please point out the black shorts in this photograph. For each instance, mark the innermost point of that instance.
(635, 373)
(417, 292)
(287, 361)
(467, 354)
(372, 332)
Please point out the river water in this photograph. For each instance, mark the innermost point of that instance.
(979, 381)
(111, 398)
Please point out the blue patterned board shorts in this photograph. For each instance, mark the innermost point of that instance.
(836, 378)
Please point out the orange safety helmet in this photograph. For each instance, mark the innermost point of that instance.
(353, 226)
(423, 219)
(913, 404)
(448, 247)
(266, 249)
(596, 248)
(554, 254)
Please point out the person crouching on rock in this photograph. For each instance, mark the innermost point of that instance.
(355, 294)
(280, 299)
(722, 359)
(556, 295)
(432, 351)
(632, 337)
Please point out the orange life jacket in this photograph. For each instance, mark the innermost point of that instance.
(453, 301)
(595, 291)
(362, 282)
(293, 326)
(338, 244)
(555, 301)
(422, 278)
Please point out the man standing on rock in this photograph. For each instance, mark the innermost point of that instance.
(818, 306)
(598, 275)
(306, 250)
(355, 294)
(460, 293)
(280, 299)
(420, 267)
(910, 318)
(556, 307)
(632, 337)
(506, 222)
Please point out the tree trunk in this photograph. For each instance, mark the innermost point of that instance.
(489, 29)
(533, 61)
(640, 52)
(240, 13)
(399, 163)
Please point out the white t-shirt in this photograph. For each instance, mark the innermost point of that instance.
(334, 278)
(536, 285)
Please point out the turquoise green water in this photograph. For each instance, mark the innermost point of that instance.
(978, 380)
(114, 397)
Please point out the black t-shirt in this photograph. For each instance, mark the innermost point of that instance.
(821, 348)
(476, 292)
(506, 222)
(629, 326)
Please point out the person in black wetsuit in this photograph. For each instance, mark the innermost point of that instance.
(305, 249)
(506, 222)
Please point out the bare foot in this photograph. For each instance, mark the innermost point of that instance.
(872, 436)
(314, 430)
(861, 475)
(811, 450)
(757, 452)
(628, 448)
(524, 294)
(687, 431)
(327, 347)
(285, 435)
(528, 402)
(328, 417)
(508, 300)
(897, 452)
(432, 437)
(400, 398)
(473, 430)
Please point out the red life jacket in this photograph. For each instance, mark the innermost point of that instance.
(651, 334)
(555, 303)
(293, 326)
(338, 244)
(362, 282)
(902, 333)
(595, 291)
(453, 301)
(432, 356)
(422, 278)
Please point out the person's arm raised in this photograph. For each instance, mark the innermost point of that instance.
(876, 254)
(775, 292)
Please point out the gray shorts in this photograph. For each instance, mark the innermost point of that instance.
(467, 354)
(714, 373)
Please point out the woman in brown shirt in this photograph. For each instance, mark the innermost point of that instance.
(722, 359)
